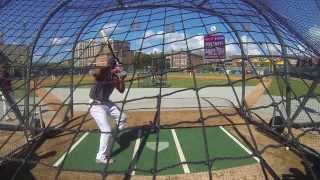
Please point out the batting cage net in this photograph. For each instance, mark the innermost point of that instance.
(224, 89)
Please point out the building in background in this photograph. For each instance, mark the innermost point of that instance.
(180, 60)
(122, 51)
(91, 52)
(85, 53)
(17, 54)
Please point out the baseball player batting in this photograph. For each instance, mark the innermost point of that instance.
(106, 80)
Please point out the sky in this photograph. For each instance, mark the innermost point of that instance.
(147, 30)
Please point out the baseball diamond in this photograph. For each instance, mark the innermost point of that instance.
(158, 89)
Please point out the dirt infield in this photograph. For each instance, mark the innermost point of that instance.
(253, 97)
(280, 160)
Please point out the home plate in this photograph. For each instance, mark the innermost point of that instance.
(162, 146)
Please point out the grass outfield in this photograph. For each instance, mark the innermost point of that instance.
(298, 86)
(82, 158)
(189, 83)
(174, 80)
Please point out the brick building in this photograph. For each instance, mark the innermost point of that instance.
(179, 60)
(17, 54)
(90, 52)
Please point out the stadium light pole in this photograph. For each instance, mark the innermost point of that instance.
(246, 28)
(27, 72)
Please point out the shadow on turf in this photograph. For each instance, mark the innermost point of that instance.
(128, 136)
(312, 168)
(296, 174)
(21, 170)
(19, 163)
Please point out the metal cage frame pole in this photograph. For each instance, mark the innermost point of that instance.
(55, 10)
(284, 54)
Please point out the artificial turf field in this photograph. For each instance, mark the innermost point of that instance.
(175, 145)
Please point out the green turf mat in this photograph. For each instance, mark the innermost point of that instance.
(219, 145)
(167, 155)
(83, 156)
(191, 140)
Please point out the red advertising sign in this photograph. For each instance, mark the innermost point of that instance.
(214, 47)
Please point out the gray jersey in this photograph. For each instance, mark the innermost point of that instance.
(102, 90)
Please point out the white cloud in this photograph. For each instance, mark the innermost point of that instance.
(232, 49)
(173, 41)
(149, 33)
(195, 42)
(297, 50)
(315, 31)
(156, 50)
(272, 49)
(254, 48)
(107, 29)
(175, 36)
(176, 41)
(301, 48)
(249, 46)
(58, 40)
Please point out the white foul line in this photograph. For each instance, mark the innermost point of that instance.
(136, 148)
(239, 143)
(59, 161)
(180, 152)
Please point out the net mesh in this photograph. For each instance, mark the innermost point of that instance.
(250, 68)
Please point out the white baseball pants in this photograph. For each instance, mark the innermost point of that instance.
(9, 114)
(101, 112)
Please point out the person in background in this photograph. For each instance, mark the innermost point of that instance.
(6, 86)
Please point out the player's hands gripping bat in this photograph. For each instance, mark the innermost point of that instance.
(117, 69)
